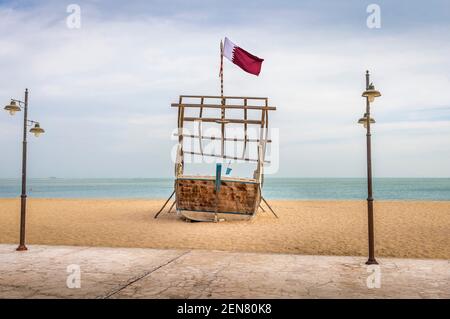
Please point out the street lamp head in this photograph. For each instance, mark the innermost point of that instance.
(12, 107)
(37, 130)
(363, 121)
(371, 93)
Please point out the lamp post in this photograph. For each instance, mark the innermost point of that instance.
(370, 94)
(13, 107)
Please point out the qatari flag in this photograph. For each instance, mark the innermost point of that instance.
(246, 61)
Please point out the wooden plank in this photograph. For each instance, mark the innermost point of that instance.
(225, 156)
(224, 97)
(245, 129)
(226, 139)
(180, 138)
(266, 131)
(230, 106)
(219, 120)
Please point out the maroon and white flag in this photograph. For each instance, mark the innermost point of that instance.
(246, 61)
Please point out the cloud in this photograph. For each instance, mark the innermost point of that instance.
(103, 92)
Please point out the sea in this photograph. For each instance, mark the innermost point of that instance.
(273, 188)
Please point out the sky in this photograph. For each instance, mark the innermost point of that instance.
(103, 91)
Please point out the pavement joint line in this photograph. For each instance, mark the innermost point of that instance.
(74, 252)
(145, 274)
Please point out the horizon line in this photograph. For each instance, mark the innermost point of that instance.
(269, 177)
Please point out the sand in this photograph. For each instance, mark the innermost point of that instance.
(406, 229)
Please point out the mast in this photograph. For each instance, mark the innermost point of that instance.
(222, 115)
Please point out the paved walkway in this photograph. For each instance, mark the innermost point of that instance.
(42, 272)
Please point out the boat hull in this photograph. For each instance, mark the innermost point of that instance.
(198, 199)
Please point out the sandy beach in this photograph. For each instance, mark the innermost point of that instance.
(407, 229)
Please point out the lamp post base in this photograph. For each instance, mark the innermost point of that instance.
(371, 262)
(22, 248)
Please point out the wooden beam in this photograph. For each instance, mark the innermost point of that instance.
(218, 138)
(159, 212)
(269, 207)
(219, 106)
(245, 129)
(225, 156)
(224, 97)
(219, 120)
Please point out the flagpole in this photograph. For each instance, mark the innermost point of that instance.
(221, 68)
(222, 127)
(222, 99)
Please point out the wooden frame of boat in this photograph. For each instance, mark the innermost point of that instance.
(213, 198)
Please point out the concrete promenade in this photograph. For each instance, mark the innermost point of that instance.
(57, 271)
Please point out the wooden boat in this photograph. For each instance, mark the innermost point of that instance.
(218, 198)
